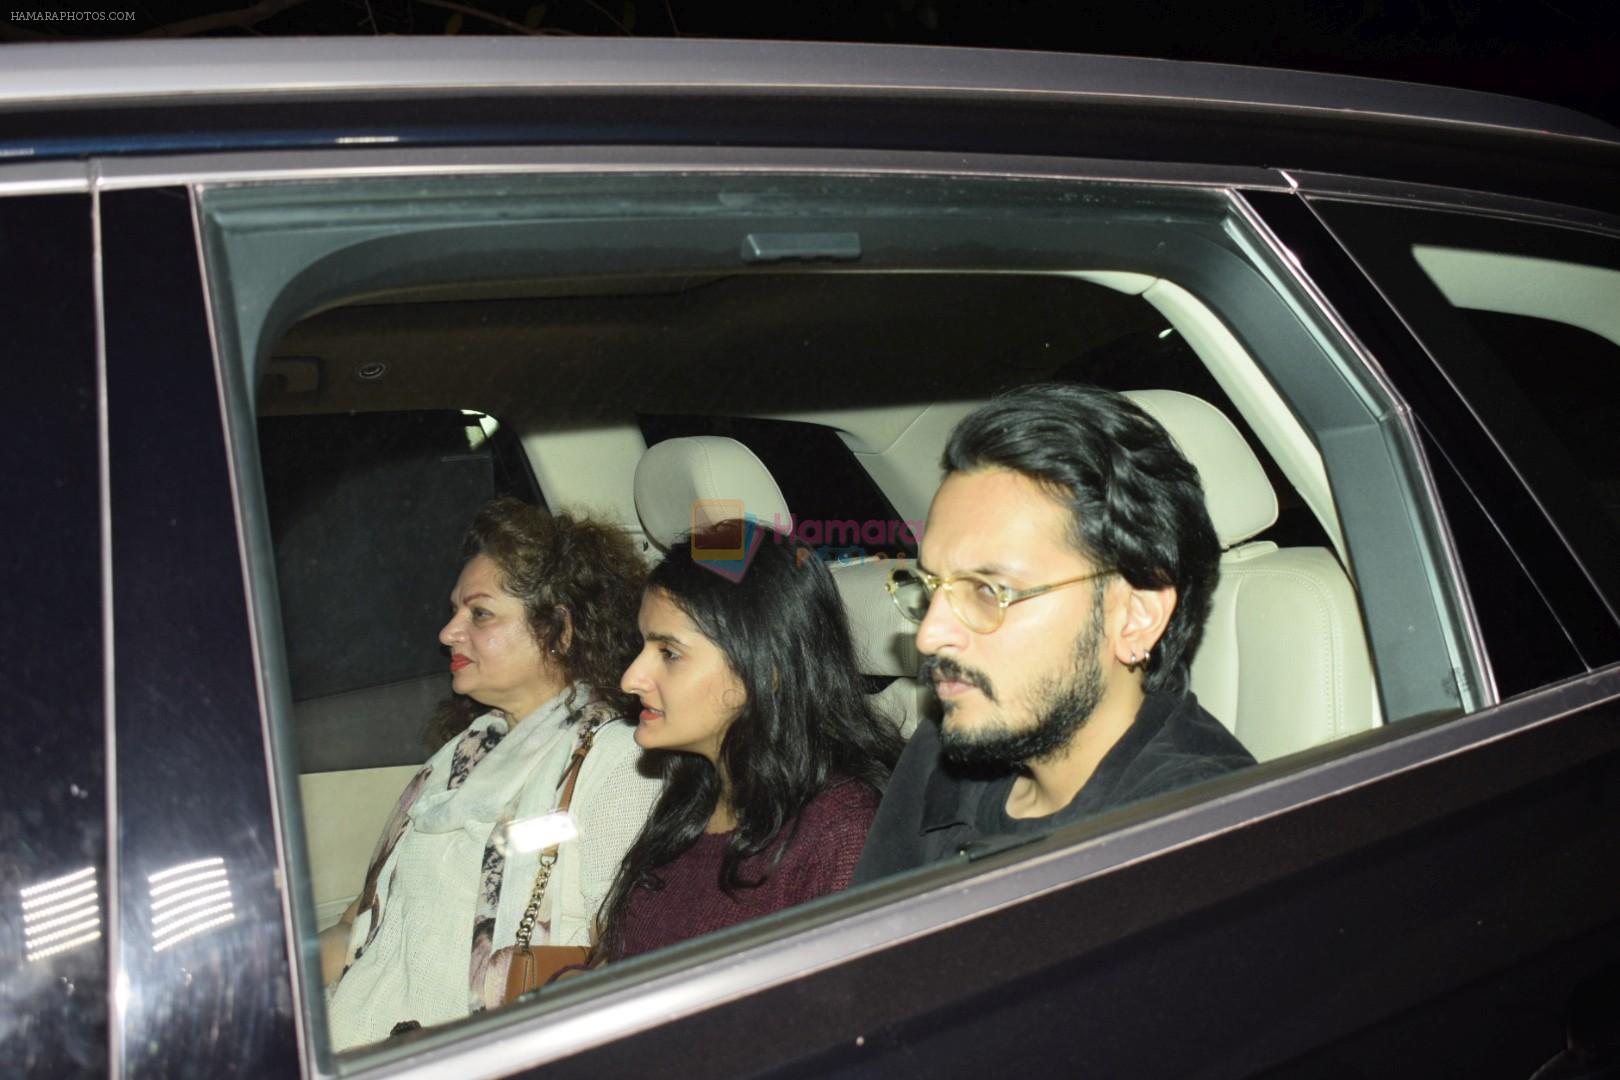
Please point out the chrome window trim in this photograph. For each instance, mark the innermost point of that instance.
(117, 982)
(176, 72)
(1452, 200)
(43, 177)
(1454, 581)
(505, 1047)
(299, 165)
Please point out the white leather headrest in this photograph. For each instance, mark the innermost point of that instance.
(885, 640)
(1240, 499)
(685, 483)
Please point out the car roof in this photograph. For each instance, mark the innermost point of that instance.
(129, 72)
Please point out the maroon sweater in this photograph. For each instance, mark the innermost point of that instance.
(820, 859)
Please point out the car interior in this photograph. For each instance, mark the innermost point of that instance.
(574, 368)
(626, 347)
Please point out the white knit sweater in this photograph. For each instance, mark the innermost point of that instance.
(417, 966)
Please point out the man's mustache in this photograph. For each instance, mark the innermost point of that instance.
(943, 667)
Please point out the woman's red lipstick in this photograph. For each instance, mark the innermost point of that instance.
(457, 662)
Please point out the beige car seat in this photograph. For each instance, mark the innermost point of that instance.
(1283, 662)
(885, 640)
(700, 479)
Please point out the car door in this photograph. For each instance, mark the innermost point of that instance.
(198, 941)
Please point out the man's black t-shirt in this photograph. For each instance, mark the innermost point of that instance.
(933, 809)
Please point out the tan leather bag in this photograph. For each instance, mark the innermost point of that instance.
(536, 965)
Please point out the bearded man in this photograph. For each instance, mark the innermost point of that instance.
(1065, 573)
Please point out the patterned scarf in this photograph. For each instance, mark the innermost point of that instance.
(470, 750)
(438, 813)
(483, 991)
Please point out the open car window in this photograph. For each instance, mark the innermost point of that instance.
(857, 317)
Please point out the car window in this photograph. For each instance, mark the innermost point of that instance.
(1522, 319)
(838, 326)
(366, 512)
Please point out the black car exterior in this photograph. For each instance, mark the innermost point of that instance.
(1437, 896)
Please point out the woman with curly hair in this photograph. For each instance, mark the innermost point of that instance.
(542, 625)
(778, 756)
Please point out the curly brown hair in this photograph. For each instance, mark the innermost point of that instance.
(556, 564)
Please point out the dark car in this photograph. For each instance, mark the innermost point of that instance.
(280, 315)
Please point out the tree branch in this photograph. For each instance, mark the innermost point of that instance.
(242, 18)
(608, 15)
(496, 20)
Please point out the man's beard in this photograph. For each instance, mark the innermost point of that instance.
(1061, 704)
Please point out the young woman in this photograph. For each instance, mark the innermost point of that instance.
(541, 626)
(778, 759)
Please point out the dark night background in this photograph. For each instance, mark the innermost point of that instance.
(1562, 51)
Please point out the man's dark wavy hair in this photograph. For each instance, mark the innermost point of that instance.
(1135, 503)
(805, 724)
(555, 563)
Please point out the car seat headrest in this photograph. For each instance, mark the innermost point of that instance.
(1240, 499)
(689, 482)
(885, 640)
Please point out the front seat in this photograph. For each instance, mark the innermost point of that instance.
(1283, 662)
(696, 480)
(700, 479)
(885, 640)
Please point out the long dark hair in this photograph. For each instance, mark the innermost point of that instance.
(555, 563)
(1135, 503)
(805, 725)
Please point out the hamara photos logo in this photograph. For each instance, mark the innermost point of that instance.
(725, 537)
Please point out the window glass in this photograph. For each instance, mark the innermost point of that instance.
(1555, 328)
(838, 326)
(366, 511)
(1523, 320)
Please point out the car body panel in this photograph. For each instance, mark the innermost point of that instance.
(491, 92)
(54, 865)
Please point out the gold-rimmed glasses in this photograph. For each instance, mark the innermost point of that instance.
(981, 604)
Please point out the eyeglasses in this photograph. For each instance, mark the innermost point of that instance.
(978, 602)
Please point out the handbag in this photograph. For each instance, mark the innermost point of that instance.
(533, 966)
